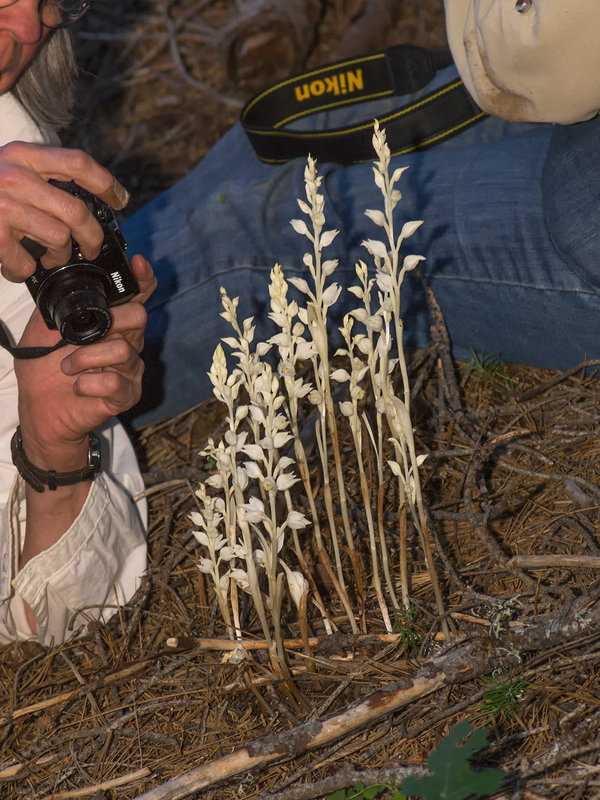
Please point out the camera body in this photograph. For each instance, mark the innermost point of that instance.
(75, 298)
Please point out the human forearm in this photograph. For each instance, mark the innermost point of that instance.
(62, 398)
(94, 566)
(51, 513)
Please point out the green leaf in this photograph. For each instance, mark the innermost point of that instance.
(362, 792)
(452, 777)
(369, 792)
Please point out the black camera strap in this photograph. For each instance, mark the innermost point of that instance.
(398, 70)
(26, 352)
(37, 251)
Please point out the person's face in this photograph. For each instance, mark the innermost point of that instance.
(21, 35)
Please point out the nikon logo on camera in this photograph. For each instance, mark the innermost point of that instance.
(342, 83)
(118, 281)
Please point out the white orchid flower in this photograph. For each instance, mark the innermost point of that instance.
(252, 511)
(206, 566)
(296, 520)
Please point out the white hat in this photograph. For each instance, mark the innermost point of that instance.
(528, 60)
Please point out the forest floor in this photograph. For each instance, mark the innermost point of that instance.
(153, 704)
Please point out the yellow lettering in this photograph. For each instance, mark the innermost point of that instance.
(355, 80)
(302, 92)
(343, 83)
(332, 85)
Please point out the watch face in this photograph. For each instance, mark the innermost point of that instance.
(95, 454)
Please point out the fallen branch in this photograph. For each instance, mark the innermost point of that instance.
(551, 560)
(120, 675)
(193, 643)
(453, 667)
(535, 391)
(393, 774)
(309, 735)
(124, 780)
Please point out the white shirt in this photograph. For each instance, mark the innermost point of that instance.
(98, 562)
(17, 126)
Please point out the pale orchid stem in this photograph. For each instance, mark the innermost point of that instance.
(372, 541)
(307, 572)
(385, 558)
(335, 446)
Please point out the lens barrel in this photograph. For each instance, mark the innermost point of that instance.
(74, 298)
(82, 317)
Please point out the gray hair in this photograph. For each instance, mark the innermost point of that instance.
(46, 88)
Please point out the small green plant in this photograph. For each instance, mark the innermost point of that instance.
(502, 698)
(489, 368)
(404, 621)
(361, 792)
(452, 777)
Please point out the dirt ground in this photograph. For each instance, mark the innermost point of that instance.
(510, 483)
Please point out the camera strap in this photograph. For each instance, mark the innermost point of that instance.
(26, 352)
(398, 70)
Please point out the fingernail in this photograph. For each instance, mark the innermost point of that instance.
(121, 194)
(66, 365)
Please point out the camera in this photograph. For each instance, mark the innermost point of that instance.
(75, 298)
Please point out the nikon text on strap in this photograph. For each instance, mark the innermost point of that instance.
(399, 70)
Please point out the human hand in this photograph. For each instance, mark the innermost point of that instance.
(66, 394)
(30, 206)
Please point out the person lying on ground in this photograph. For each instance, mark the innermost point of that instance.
(71, 552)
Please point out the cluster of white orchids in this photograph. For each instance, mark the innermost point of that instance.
(266, 517)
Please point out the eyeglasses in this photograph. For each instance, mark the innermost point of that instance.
(56, 13)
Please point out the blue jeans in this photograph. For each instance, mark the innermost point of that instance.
(511, 241)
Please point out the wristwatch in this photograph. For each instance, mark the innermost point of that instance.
(39, 479)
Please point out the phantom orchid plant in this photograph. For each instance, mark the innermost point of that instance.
(253, 531)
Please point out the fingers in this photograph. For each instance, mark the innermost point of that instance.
(142, 269)
(70, 164)
(30, 206)
(110, 370)
(129, 322)
(116, 353)
(20, 216)
(50, 218)
(118, 391)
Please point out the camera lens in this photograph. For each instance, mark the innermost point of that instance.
(82, 316)
(74, 300)
(83, 322)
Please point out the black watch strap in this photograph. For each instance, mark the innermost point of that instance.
(41, 479)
